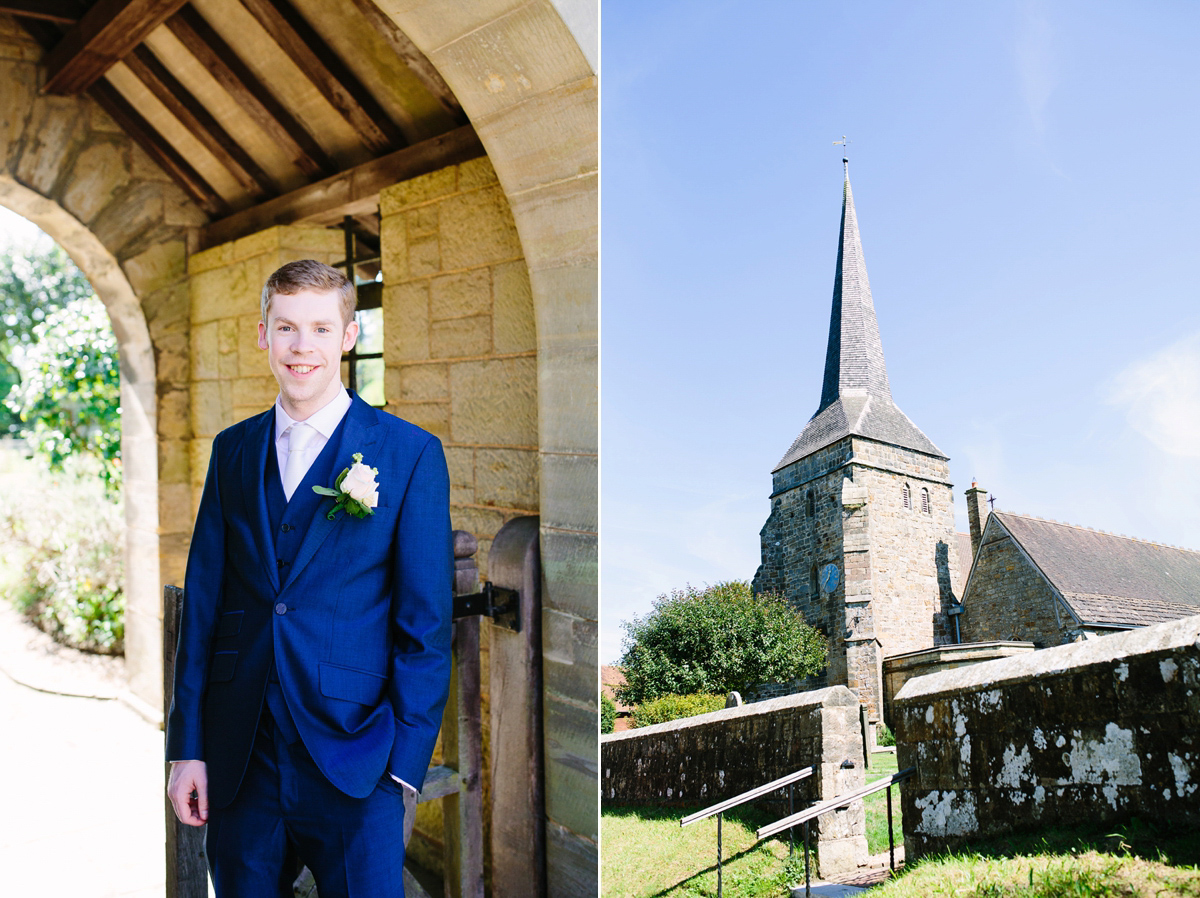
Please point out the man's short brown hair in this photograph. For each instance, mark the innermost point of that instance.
(309, 274)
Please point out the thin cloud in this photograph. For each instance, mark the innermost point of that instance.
(1161, 397)
(1035, 62)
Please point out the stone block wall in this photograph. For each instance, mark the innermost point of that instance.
(897, 564)
(899, 669)
(698, 761)
(1007, 597)
(460, 340)
(1092, 732)
(914, 553)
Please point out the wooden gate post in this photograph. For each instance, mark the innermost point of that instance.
(518, 810)
(187, 867)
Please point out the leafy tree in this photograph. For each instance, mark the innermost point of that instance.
(716, 640)
(33, 284)
(68, 399)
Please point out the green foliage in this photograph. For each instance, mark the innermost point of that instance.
(716, 640)
(33, 284)
(608, 714)
(884, 736)
(673, 707)
(65, 534)
(69, 398)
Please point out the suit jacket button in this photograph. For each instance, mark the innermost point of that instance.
(280, 608)
(286, 527)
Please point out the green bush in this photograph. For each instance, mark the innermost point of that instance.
(608, 714)
(673, 707)
(716, 640)
(883, 736)
(65, 534)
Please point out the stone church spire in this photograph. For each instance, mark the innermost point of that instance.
(856, 397)
(854, 359)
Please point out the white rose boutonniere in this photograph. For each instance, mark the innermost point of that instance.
(355, 490)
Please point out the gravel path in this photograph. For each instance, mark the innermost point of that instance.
(82, 774)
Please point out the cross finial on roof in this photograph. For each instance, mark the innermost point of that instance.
(992, 502)
(844, 143)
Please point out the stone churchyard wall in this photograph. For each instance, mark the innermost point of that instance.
(1092, 732)
(698, 761)
(899, 669)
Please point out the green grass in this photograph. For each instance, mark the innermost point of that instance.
(882, 764)
(645, 852)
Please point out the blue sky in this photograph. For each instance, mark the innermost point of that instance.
(1026, 179)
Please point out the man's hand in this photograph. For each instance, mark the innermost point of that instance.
(188, 791)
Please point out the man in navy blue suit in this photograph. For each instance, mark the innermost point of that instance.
(314, 648)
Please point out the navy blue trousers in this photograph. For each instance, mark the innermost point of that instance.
(285, 807)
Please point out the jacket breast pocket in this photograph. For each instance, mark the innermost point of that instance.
(351, 685)
(230, 624)
(222, 667)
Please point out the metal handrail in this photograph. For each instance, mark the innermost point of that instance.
(722, 806)
(834, 804)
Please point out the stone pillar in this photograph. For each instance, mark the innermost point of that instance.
(864, 668)
(977, 512)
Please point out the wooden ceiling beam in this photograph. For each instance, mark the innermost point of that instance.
(352, 192)
(141, 132)
(182, 104)
(98, 41)
(328, 74)
(61, 12)
(251, 94)
(417, 61)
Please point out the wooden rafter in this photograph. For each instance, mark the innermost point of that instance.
(192, 115)
(352, 192)
(62, 12)
(140, 131)
(417, 61)
(106, 33)
(328, 74)
(251, 94)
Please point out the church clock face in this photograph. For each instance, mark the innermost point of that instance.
(829, 578)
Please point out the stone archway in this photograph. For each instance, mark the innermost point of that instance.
(525, 74)
(139, 451)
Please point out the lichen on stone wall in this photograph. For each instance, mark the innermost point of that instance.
(947, 813)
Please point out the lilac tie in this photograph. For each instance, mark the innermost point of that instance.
(300, 437)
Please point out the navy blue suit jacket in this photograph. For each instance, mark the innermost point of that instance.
(358, 626)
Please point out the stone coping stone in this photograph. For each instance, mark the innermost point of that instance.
(834, 696)
(1177, 634)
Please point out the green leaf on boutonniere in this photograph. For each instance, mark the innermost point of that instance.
(364, 478)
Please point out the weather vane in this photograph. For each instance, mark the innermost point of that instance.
(844, 143)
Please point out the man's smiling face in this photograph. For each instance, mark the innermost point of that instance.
(305, 337)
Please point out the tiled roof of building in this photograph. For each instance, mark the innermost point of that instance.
(1109, 579)
(856, 397)
(610, 677)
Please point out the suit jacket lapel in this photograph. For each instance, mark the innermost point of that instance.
(259, 441)
(359, 435)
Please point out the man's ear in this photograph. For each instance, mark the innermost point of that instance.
(350, 336)
(262, 335)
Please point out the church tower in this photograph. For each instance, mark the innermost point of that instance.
(860, 537)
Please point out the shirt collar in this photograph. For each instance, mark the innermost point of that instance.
(324, 420)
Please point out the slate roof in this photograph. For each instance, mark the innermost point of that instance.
(856, 397)
(1110, 580)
